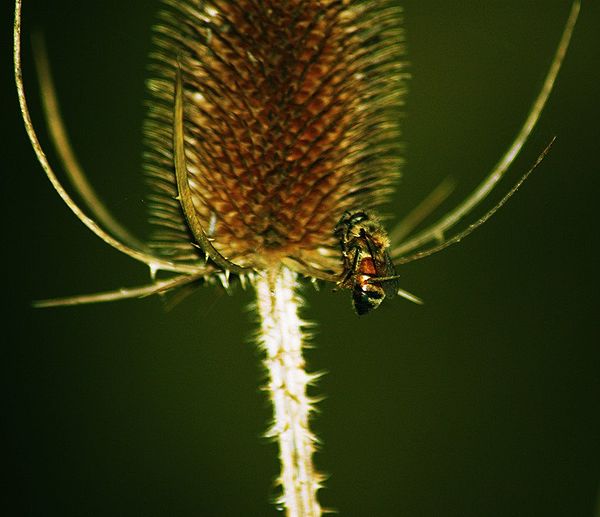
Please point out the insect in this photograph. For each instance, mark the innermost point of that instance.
(368, 268)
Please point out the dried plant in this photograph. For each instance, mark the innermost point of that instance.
(271, 140)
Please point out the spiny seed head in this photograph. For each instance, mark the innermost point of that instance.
(291, 118)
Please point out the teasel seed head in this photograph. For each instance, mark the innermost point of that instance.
(291, 117)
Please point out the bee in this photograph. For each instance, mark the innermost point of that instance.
(368, 268)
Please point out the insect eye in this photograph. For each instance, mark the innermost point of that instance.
(358, 217)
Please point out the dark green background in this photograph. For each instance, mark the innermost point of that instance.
(483, 402)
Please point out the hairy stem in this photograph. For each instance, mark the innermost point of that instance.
(281, 338)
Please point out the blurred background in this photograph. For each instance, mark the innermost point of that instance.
(482, 402)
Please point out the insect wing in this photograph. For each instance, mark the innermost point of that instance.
(385, 267)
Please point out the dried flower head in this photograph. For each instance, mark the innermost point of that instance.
(290, 118)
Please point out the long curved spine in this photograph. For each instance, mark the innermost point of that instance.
(155, 263)
(119, 294)
(437, 230)
(60, 138)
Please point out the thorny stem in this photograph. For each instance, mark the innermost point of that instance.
(281, 338)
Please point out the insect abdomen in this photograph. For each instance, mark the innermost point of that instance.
(366, 297)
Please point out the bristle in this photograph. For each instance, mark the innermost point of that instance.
(291, 117)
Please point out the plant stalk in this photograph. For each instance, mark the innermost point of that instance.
(281, 338)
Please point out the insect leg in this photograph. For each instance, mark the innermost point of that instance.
(349, 270)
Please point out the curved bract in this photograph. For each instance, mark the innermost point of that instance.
(436, 231)
(125, 293)
(183, 187)
(60, 139)
(461, 235)
(155, 262)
